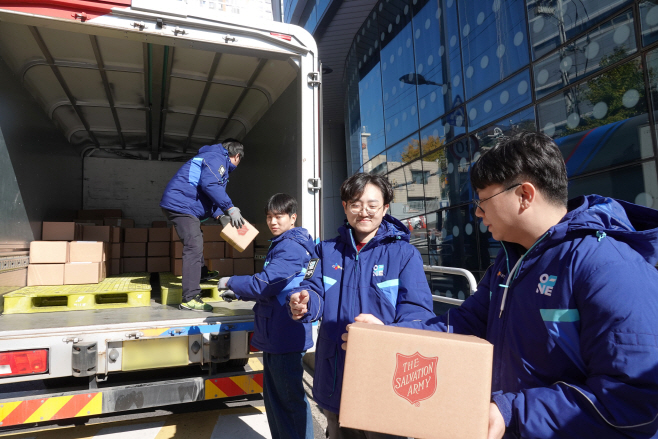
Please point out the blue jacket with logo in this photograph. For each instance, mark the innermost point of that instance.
(576, 336)
(285, 265)
(385, 278)
(199, 186)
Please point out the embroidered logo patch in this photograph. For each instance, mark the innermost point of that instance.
(310, 268)
(546, 284)
(378, 270)
(336, 267)
(222, 170)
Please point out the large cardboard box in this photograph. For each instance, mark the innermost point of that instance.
(213, 250)
(159, 224)
(158, 264)
(87, 251)
(135, 235)
(56, 231)
(212, 233)
(224, 266)
(77, 273)
(159, 234)
(259, 265)
(239, 238)
(133, 265)
(243, 267)
(174, 235)
(176, 266)
(45, 274)
(176, 250)
(49, 252)
(119, 222)
(157, 248)
(116, 250)
(96, 233)
(134, 249)
(116, 234)
(99, 214)
(114, 267)
(416, 383)
(247, 253)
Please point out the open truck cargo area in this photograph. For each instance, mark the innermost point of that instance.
(87, 101)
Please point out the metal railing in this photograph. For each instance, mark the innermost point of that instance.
(452, 271)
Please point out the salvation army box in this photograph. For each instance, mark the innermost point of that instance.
(421, 384)
(239, 238)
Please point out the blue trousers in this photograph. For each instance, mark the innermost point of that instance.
(288, 411)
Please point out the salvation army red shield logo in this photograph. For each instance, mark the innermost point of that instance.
(415, 377)
(242, 230)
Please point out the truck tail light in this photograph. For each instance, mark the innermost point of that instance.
(251, 348)
(23, 362)
(282, 36)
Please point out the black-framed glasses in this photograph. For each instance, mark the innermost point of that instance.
(478, 203)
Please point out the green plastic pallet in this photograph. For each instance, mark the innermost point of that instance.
(172, 290)
(125, 291)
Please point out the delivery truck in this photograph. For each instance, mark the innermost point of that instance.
(100, 103)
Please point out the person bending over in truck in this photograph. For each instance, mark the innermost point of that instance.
(569, 303)
(282, 340)
(369, 268)
(196, 193)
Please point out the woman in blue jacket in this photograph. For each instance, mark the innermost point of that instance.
(570, 303)
(282, 341)
(369, 268)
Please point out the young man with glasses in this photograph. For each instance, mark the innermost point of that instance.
(369, 268)
(569, 303)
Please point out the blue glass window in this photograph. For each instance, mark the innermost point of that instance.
(438, 63)
(602, 46)
(377, 165)
(502, 99)
(487, 138)
(649, 19)
(442, 131)
(408, 191)
(456, 240)
(404, 152)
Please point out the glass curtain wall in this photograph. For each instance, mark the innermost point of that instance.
(432, 84)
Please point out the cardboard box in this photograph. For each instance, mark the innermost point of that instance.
(213, 250)
(45, 274)
(87, 251)
(416, 383)
(212, 233)
(177, 266)
(158, 264)
(224, 266)
(157, 248)
(159, 234)
(239, 238)
(247, 253)
(243, 267)
(160, 224)
(54, 231)
(116, 250)
(116, 234)
(174, 235)
(135, 235)
(133, 265)
(259, 265)
(49, 252)
(99, 214)
(77, 273)
(119, 222)
(96, 233)
(115, 267)
(176, 250)
(134, 249)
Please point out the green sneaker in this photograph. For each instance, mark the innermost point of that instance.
(210, 274)
(196, 304)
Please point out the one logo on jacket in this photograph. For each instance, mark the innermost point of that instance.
(415, 377)
(378, 270)
(546, 284)
(222, 170)
(336, 267)
(500, 274)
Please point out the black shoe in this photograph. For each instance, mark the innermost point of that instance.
(208, 275)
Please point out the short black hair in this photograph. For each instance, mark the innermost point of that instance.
(353, 187)
(234, 147)
(281, 203)
(524, 155)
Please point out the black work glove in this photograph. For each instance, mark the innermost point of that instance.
(228, 296)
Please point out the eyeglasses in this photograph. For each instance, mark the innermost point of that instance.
(357, 208)
(478, 203)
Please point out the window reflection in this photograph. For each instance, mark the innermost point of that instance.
(370, 91)
(378, 165)
(443, 131)
(649, 20)
(456, 239)
(408, 192)
(406, 151)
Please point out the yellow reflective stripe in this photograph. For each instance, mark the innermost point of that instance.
(6, 408)
(247, 383)
(255, 386)
(212, 391)
(154, 332)
(93, 407)
(48, 409)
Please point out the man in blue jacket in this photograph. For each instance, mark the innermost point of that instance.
(282, 340)
(569, 303)
(198, 192)
(369, 268)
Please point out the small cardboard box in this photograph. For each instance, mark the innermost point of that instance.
(177, 266)
(213, 250)
(116, 250)
(87, 251)
(174, 235)
(49, 252)
(54, 231)
(416, 383)
(243, 267)
(247, 253)
(159, 234)
(119, 222)
(96, 233)
(133, 265)
(239, 238)
(224, 266)
(157, 248)
(116, 234)
(135, 235)
(134, 249)
(115, 267)
(45, 274)
(212, 233)
(159, 224)
(77, 273)
(176, 250)
(158, 264)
